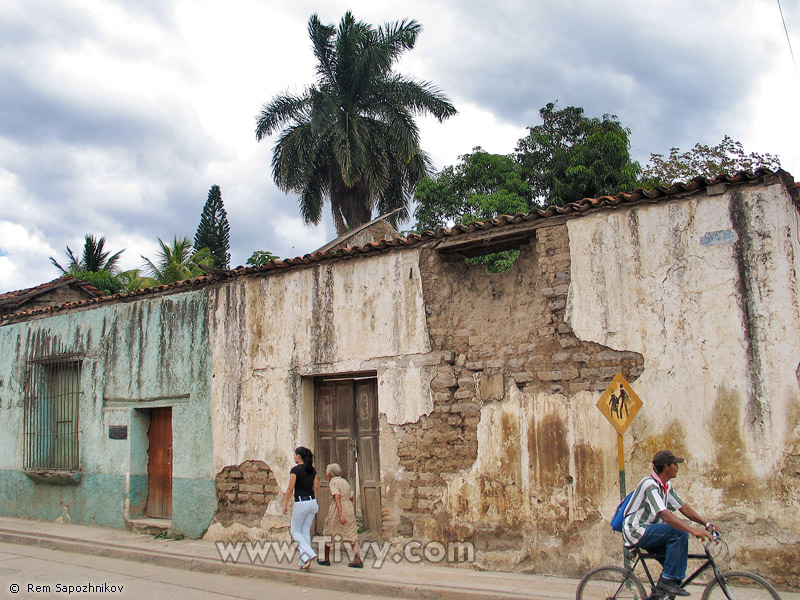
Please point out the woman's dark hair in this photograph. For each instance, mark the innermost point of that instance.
(307, 457)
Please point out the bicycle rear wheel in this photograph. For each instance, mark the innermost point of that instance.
(610, 583)
(740, 585)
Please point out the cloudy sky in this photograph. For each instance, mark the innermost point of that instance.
(116, 117)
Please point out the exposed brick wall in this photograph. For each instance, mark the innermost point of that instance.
(243, 493)
(497, 325)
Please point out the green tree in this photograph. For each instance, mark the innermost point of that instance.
(261, 257)
(93, 259)
(213, 232)
(709, 161)
(481, 186)
(104, 281)
(351, 137)
(570, 156)
(177, 262)
(133, 280)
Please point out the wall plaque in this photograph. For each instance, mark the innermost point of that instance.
(118, 432)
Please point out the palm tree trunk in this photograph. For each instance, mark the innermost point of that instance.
(352, 205)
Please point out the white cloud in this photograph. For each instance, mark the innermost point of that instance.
(24, 258)
(118, 116)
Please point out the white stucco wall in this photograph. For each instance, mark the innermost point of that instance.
(339, 317)
(669, 281)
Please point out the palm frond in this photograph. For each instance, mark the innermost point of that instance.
(58, 266)
(280, 110)
(352, 138)
(321, 40)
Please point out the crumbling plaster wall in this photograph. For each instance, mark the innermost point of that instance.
(705, 289)
(134, 355)
(488, 383)
(511, 459)
(273, 334)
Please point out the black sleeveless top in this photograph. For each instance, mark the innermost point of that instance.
(304, 485)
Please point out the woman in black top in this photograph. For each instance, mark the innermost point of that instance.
(303, 485)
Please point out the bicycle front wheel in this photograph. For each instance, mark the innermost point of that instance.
(610, 583)
(740, 585)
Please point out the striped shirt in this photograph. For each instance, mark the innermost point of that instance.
(649, 498)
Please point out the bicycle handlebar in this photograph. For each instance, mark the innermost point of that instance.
(716, 538)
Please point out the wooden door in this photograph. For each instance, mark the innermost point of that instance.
(159, 464)
(346, 426)
(368, 454)
(333, 425)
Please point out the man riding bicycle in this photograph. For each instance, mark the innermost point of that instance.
(651, 525)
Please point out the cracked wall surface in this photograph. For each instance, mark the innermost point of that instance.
(707, 292)
(134, 356)
(487, 384)
(489, 432)
(511, 458)
(272, 336)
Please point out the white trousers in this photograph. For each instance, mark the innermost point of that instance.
(302, 518)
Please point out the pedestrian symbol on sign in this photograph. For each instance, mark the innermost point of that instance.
(619, 403)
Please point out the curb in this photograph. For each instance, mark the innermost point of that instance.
(350, 583)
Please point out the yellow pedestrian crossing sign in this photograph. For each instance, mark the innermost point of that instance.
(619, 403)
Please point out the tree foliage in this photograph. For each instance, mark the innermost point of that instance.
(93, 259)
(570, 156)
(261, 257)
(566, 158)
(178, 261)
(351, 137)
(481, 186)
(133, 280)
(709, 161)
(105, 281)
(213, 232)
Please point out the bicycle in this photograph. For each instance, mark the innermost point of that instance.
(611, 582)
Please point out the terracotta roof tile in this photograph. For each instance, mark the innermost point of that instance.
(20, 297)
(638, 196)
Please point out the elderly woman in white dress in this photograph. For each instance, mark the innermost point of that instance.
(341, 520)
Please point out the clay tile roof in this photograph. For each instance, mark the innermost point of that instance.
(574, 209)
(14, 299)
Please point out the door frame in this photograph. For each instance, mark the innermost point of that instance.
(160, 459)
(344, 437)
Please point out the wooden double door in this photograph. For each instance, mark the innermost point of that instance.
(346, 425)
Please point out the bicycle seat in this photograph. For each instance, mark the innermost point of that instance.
(644, 553)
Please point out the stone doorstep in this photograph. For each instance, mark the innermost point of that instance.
(149, 525)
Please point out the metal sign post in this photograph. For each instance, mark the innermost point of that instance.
(619, 404)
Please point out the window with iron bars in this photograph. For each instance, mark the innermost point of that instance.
(52, 402)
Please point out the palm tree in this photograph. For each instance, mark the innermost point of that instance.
(177, 261)
(134, 280)
(351, 137)
(94, 258)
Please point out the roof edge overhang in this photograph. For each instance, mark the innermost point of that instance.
(471, 239)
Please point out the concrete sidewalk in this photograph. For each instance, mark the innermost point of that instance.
(405, 579)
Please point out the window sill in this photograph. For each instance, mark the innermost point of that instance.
(55, 477)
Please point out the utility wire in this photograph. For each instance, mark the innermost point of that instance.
(788, 41)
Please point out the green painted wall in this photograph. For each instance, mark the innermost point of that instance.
(136, 355)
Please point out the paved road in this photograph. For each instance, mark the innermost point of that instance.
(26, 566)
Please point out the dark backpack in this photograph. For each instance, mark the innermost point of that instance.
(619, 514)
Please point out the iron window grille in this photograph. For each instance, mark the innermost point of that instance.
(52, 402)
